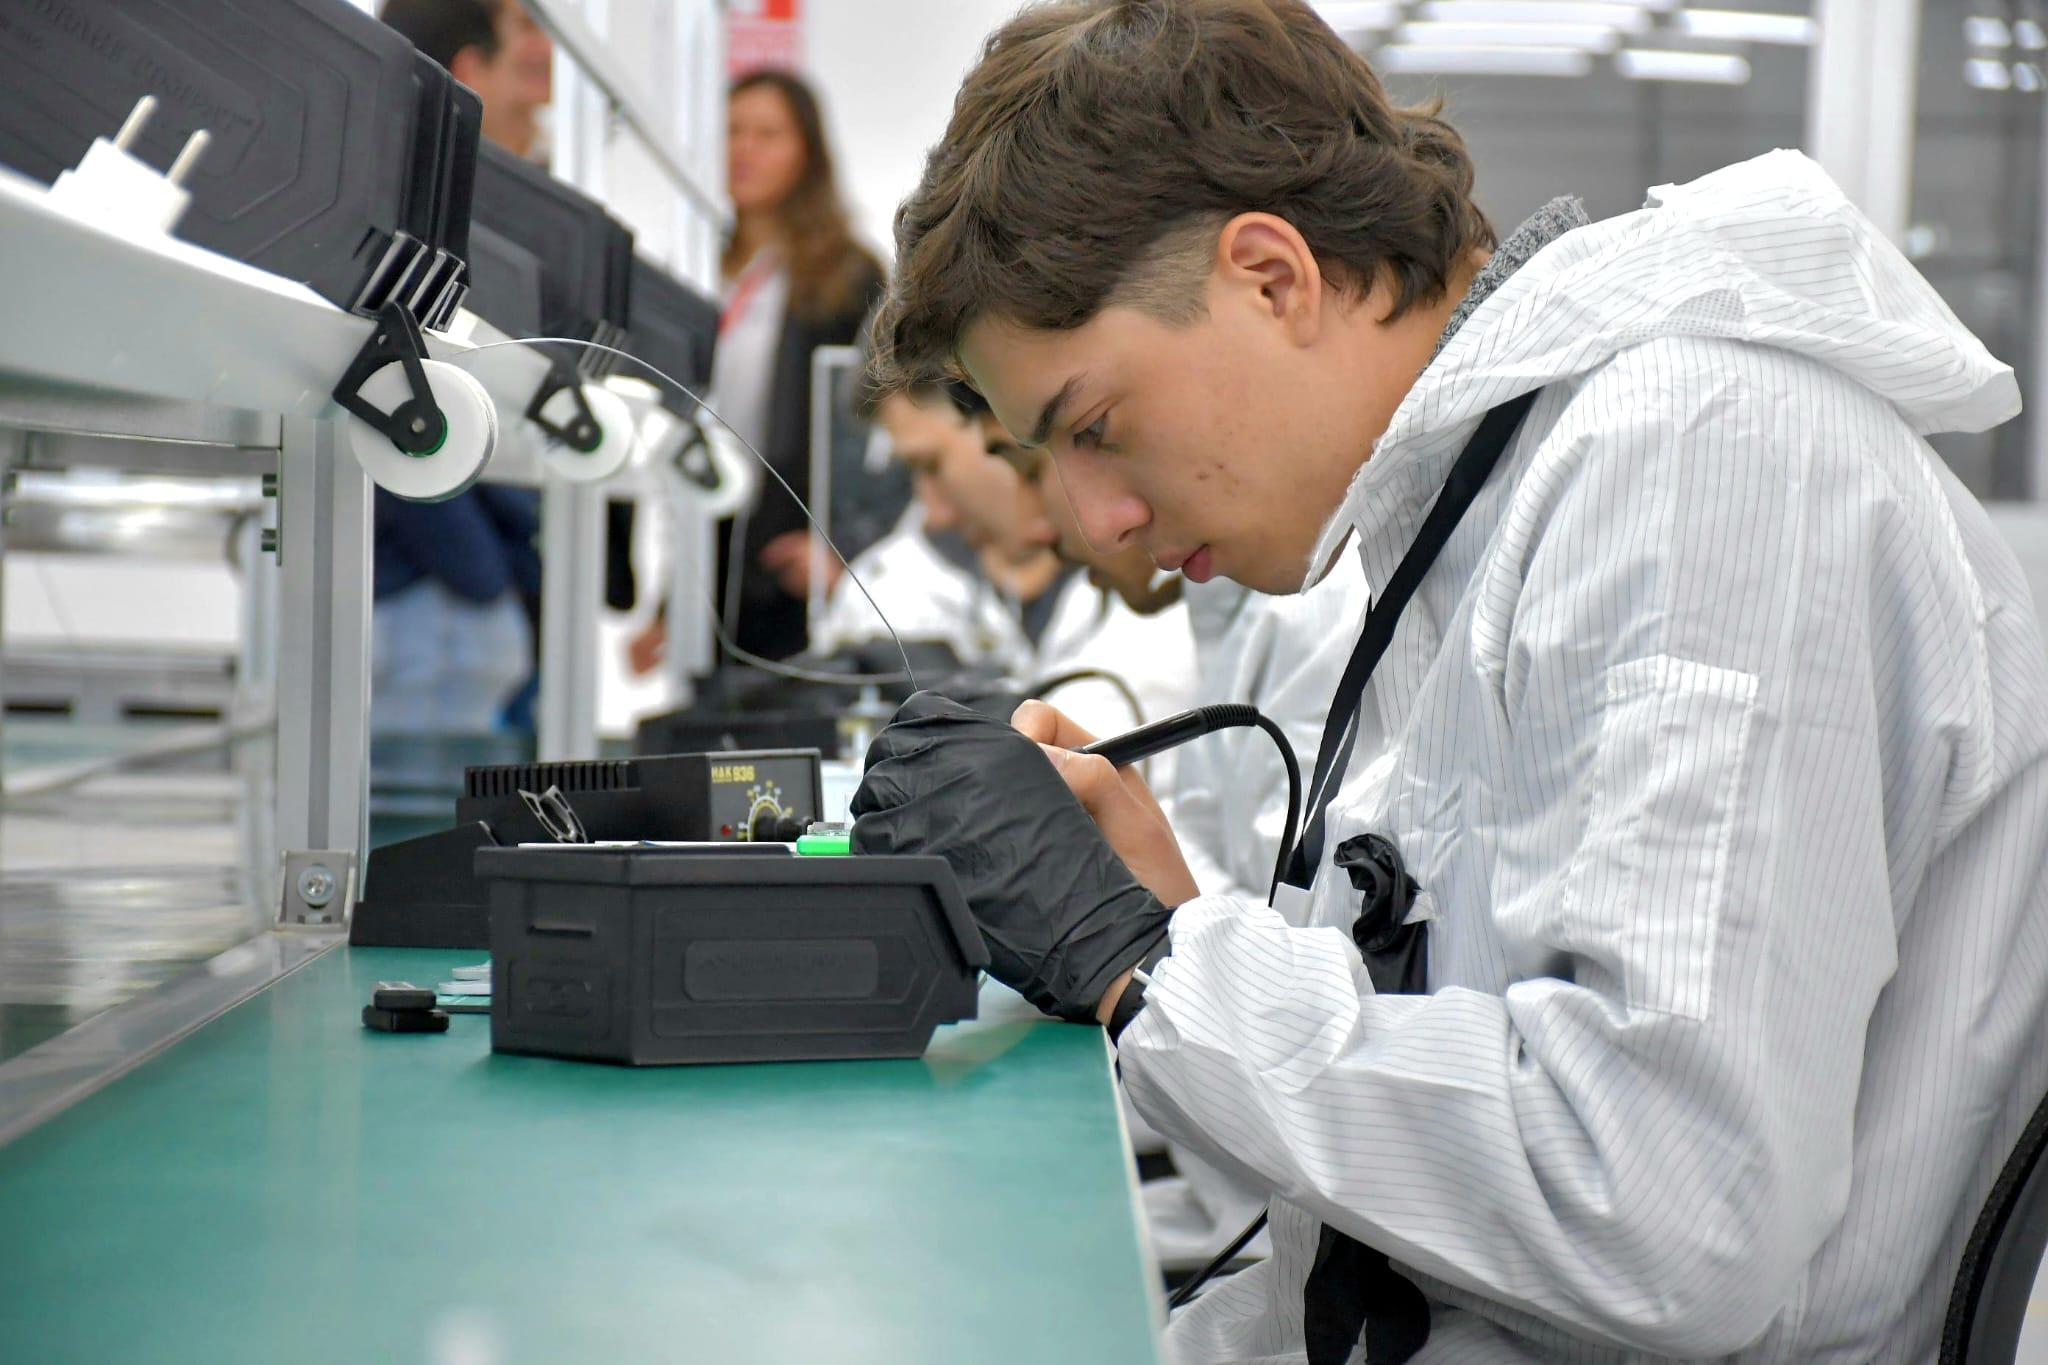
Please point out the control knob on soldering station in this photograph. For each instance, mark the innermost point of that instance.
(768, 820)
(776, 826)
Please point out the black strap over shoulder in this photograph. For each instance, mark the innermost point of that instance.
(1474, 464)
(1353, 1291)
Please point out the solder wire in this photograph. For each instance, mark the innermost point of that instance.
(908, 675)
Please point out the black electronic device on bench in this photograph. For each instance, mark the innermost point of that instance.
(424, 893)
(655, 956)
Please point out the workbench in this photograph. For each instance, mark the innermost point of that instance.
(285, 1185)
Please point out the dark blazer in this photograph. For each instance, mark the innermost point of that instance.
(770, 622)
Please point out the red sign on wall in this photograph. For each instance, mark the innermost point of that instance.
(762, 33)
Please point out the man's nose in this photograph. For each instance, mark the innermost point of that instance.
(1109, 514)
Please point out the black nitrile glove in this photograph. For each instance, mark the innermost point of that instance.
(1061, 914)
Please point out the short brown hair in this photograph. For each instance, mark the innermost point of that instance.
(1099, 145)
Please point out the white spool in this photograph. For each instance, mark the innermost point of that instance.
(739, 477)
(616, 441)
(463, 453)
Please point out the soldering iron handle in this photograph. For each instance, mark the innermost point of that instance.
(1133, 745)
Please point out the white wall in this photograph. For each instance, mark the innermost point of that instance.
(887, 71)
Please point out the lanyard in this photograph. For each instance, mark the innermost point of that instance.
(749, 284)
(1352, 1291)
(1468, 475)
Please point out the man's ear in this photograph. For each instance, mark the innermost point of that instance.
(1268, 262)
(471, 67)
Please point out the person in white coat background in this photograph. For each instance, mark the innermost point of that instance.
(1669, 983)
(1021, 608)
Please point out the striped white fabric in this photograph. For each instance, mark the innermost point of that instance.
(1228, 805)
(1718, 739)
(1283, 655)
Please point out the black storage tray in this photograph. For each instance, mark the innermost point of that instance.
(504, 283)
(648, 956)
(321, 159)
(577, 243)
(675, 329)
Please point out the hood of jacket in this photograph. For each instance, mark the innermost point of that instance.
(1768, 252)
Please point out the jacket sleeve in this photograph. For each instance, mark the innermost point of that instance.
(1646, 1138)
(456, 543)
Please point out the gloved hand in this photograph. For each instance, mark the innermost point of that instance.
(1062, 915)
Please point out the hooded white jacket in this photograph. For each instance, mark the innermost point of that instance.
(1716, 739)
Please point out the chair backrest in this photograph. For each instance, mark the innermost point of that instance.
(1988, 1306)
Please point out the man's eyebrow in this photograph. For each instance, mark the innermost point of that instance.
(1050, 414)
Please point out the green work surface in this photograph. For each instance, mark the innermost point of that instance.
(287, 1185)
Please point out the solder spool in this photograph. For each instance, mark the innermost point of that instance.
(618, 437)
(452, 466)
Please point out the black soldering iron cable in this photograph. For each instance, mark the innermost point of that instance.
(1223, 1258)
(1045, 687)
(1128, 748)
(1133, 745)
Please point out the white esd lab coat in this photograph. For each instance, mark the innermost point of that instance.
(1283, 655)
(1718, 741)
(1091, 628)
(914, 588)
(928, 598)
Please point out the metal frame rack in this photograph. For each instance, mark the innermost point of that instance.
(138, 352)
(679, 124)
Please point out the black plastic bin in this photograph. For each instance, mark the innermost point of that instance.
(650, 956)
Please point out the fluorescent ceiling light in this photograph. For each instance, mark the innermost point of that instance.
(1710, 68)
(1607, 13)
(2030, 35)
(1441, 59)
(1742, 26)
(1586, 37)
(1986, 74)
(1353, 16)
(2026, 76)
(1981, 31)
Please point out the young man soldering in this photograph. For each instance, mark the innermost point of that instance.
(1671, 983)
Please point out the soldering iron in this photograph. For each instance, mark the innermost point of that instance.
(1134, 745)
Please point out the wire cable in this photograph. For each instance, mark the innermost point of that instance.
(1223, 1258)
(457, 358)
(796, 672)
(1287, 831)
(1173, 731)
(1046, 686)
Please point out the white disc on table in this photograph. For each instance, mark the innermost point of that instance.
(456, 463)
(618, 436)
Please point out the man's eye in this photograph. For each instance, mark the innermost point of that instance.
(1090, 437)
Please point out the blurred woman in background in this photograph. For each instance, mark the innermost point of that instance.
(795, 280)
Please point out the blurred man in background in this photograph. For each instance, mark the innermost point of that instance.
(457, 584)
(496, 49)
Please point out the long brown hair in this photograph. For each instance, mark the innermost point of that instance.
(828, 269)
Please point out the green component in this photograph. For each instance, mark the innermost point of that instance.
(824, 845)
(286, 1184)
(435, 448)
